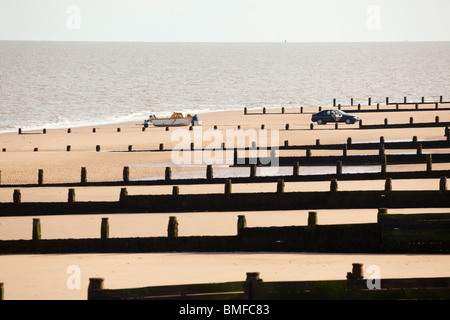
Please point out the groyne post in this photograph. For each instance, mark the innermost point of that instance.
(312, 218)
(172, 229)
(241, 224)
(126, 174)
(83, 175)
(95, 284)
(36, 229)
(228, 186)
(104, 232)
(40, 177)
(333, 185)
(280, 186)
(443, 184)
(71, 196)
(17, 196)
(209, 172)
(168, 173)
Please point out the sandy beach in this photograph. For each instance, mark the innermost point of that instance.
(44, 276)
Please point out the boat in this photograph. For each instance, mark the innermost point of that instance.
(175, 120)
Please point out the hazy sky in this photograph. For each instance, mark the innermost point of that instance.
(225, 20)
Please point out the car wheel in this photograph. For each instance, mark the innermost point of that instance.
(320, 121)
(348, 121)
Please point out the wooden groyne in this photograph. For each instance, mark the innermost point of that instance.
(231, 202)
(414, 233)
(355, 287)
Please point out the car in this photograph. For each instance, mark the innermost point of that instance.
(325, 116)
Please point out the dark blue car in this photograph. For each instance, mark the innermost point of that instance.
(325, 116)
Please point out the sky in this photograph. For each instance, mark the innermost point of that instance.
(225, 20)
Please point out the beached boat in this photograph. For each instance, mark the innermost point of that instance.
(176, 119)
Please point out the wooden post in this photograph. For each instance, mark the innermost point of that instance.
(429, 163)
(241, 224)
(71, 196)
(123, 194)
(349, 141)
(414, 139)
(36, 229)
(383, 164)
(443, 184)
(68, 148)
(69, 130)
(245, 110)
(286, 126)
(94, 284)
(339, 168)
(280, 186)
(264, 110)
(40, 177)
(253, 286)
(168, 173)
(312, 218)
(2, 291)
(263, 127)
(97, 148)
(351, 101)
(172, 229)
(436, 119)
(44, 131)
(382, 150)
(20, 131)
(94, 130)
(104, 232)
(404, 99)
(296, 169)
(411, 120)
(282, 109)
(167, 128)
(209, 172)
(419, 149)
(311, 126)
(344, 150)
(359, 106)
(388, 185)
(416, 106)
(17, 196)
(370, 101)
(175, 190)
(334, 102)
(228, 186)
(301, 109)
(317, 142)
(333, 185)
(308, 153)
(387, 100)
(253, 171)
(360, 123)
(130, 148)
(161, 146)
(83, 175)
(385, 121)
(126, 174)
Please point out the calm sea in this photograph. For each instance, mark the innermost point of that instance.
(68, 84)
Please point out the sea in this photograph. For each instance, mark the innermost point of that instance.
(72, 84)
